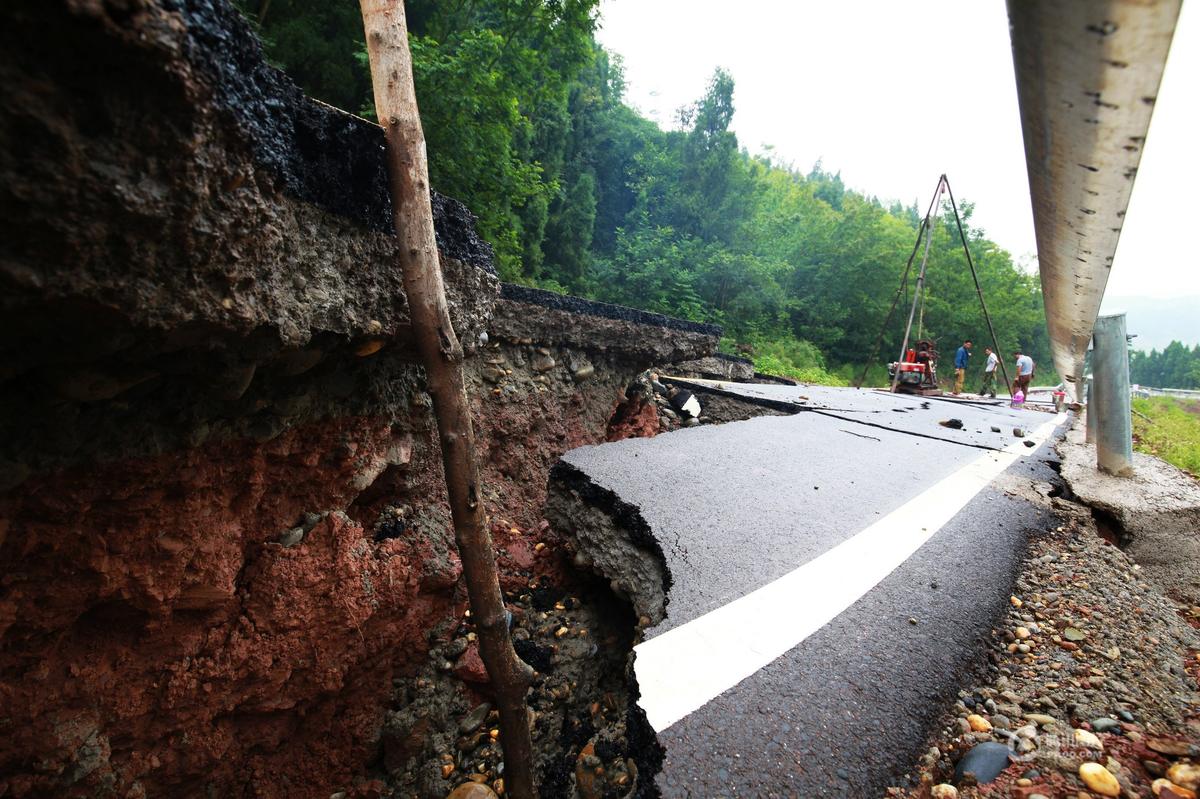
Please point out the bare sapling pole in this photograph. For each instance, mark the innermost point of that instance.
(442, 356)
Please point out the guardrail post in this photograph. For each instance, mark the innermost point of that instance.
(1090, 410)
(1110, 371)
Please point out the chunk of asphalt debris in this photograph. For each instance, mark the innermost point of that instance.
(995, 429)
(1029, 443)
(1018, 432)
(954, 424)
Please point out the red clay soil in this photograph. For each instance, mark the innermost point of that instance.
(634, 418)
(180, 644)
(157, 640)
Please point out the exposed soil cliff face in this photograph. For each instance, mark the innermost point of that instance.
(231, 616)
(224, 549)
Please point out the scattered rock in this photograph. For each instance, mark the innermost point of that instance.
(953, 424)
(1030, 444)
(472, 790)
(944, 791)
(474, 720)
(979, 723)
(985, 761)
(1105, 724)
(369, 347)
(1088, 740)
(469, 666)
(1073, 634)
(1041, 719)
(1185, 775)
(1165, 789)
(292, 537)
(1168, 746)
(995, 429)
(1099, 780)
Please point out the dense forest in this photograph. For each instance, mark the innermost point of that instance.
(1175, 367)
(527, 123)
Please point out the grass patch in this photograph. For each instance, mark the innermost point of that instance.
(1173, 432)
(774, 365)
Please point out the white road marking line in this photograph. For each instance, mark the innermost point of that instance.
(686, 667)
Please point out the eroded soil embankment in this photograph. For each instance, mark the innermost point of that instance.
(222, 532)
(232, 616)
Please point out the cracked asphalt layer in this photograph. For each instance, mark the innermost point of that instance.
(847, 712)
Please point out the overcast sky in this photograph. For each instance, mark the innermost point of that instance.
(892, 94)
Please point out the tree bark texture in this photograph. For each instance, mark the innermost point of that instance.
(442, 356)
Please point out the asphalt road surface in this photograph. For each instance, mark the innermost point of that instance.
(835, 574)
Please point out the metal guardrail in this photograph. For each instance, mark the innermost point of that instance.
(1087, 79)
(1148, 391)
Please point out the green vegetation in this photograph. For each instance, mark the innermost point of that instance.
(526, 123)
(1169, 428)
(794, 358)
(1175, 367)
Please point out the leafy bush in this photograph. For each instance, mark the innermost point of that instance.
(794, 358)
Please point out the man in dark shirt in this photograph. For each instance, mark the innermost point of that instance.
(961, 357)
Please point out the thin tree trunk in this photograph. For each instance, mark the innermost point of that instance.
(442, 355)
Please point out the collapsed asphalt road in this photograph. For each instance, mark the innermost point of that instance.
(834, 574)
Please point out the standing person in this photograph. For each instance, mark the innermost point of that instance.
(1024, 372)
(925, 357)
(989, 374)
(961, 357)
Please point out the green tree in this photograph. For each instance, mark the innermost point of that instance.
(527, 123)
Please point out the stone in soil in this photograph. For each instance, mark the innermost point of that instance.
(1185, 775)
(985, 761)
(472, 790)
(1099, 780)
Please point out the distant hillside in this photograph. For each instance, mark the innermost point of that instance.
(1158, 322)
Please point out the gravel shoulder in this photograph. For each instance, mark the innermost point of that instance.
(1093, 685)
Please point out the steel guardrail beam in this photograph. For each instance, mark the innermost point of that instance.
(1087, 76)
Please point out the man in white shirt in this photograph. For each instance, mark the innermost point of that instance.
(989, 374)
(1024, 372)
